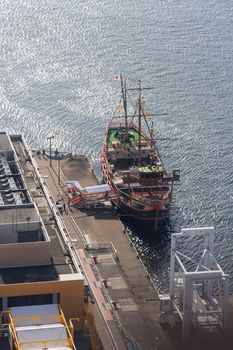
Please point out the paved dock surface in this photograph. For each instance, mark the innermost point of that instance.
(134, 315)
(128, 286)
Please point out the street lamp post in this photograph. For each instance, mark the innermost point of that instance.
(59, 172)
(50, 149)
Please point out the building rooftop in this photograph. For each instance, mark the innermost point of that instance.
(14, 214)
(32, 248)
(41, 327)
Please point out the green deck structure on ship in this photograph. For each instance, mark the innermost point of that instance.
(115, 135)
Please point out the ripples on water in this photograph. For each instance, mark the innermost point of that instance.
(57, 63)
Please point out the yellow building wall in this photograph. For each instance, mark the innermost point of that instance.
(71, 295)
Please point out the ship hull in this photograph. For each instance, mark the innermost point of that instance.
(151, 221)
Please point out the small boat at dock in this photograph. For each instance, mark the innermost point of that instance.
(56, 155)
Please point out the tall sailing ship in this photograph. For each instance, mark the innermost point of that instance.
(132, 166)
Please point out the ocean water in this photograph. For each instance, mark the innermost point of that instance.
(57, 65)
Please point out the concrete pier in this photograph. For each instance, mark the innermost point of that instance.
(126, 298)
(128, 292)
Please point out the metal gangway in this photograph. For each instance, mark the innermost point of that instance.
(90, 196)
(198, 285)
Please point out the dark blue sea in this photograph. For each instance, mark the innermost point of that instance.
(57, 65)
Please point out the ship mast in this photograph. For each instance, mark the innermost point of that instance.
(124, 97)
(139, 125)
(140, 115)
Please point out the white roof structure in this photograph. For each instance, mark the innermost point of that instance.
(97, 188)
(73, 184)
(40, 327)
